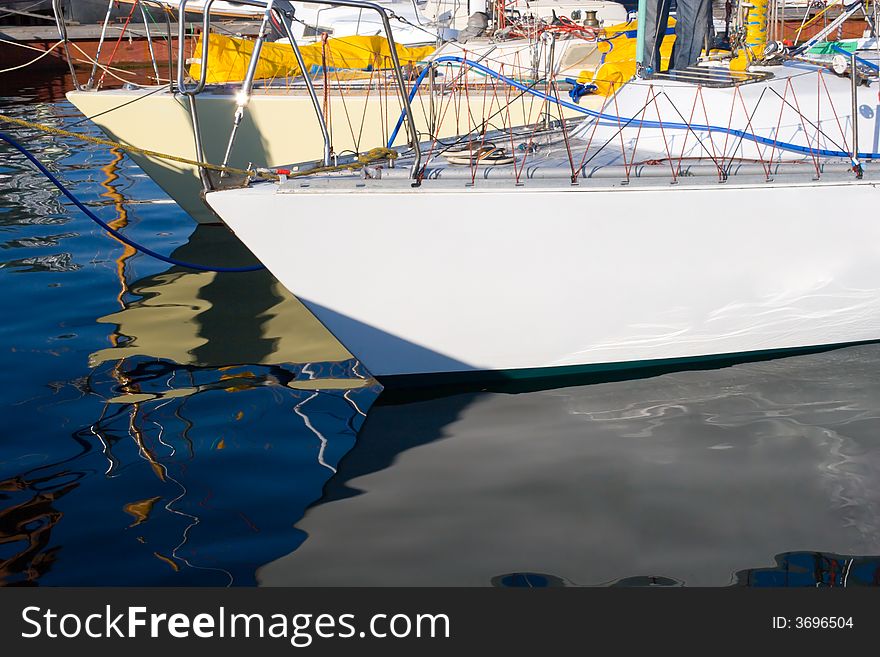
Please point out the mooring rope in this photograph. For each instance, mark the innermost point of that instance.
(42, 127)
(363, 159)
(112, 231)
(33, 61)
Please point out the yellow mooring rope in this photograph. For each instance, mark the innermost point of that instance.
(134, 149)
(363, 159)
(369, 157)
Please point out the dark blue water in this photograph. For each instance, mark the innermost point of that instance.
(167, 427)
(153, 430)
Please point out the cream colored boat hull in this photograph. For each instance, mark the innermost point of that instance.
(278, 128)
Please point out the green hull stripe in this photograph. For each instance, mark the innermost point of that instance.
(536, 378)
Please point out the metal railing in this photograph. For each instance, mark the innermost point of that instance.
(284, 11)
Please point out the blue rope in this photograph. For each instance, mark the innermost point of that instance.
(115, 233)
(614, 120)
(412, 94)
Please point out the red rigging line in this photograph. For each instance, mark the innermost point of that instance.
(620, 134)
(727, 136)
(663, 133)
(687, 134)
(764, 165)
(834, 110)
(813, 153)
(533, 27)
(605, 104)
(118, 41)
(554, 85)
(629, 166)
(714, 154)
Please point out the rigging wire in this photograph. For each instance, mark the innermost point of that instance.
(610, 119)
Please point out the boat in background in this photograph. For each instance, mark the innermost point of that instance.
(415, 20)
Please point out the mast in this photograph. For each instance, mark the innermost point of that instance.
(640, 38)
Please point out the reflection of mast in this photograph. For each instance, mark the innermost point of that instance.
(111, 171)
(125, 384)
(121, 221)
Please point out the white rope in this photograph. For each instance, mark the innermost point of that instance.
(88, 59)
(21, 45)
(33, 61)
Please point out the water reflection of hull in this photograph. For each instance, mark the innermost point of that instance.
(44, 88)
(690, 477)
(209, 320)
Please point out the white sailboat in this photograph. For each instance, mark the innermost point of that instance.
(710, 214)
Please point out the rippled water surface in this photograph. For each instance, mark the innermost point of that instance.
(167, 427)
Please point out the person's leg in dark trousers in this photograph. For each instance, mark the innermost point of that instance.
(656, 18)
(691, 27)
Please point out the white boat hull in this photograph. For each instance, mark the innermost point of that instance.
(518, 281)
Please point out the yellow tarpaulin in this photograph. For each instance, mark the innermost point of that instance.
(228, 57)
(619, 60)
